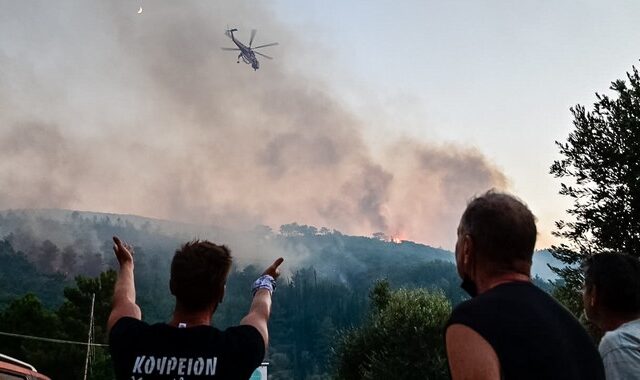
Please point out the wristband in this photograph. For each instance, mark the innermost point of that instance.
(264, 282)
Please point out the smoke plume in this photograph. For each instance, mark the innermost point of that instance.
(103, 109)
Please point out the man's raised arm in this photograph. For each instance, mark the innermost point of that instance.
(124, 294)
(261, 305)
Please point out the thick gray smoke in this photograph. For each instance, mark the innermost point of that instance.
(103, 109)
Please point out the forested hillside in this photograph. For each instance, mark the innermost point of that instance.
(52, 261)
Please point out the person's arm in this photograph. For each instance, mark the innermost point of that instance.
(260, 310)
(124, 294)
(470, 355)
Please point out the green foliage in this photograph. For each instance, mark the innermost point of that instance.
(18, 276)
(571, 299)
(307, 312)
(402, 338)
(28, 316)
(602, 157)
(74, 312)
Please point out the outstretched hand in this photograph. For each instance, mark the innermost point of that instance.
(123, 251)
(273, 270)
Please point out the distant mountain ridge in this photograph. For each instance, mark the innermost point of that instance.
(301, 242)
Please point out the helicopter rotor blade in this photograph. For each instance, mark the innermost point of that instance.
(229, 48)
(262, 55)
(253, 35)
(261, 46)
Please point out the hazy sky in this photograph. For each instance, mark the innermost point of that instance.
(496, 75)
(374, 116)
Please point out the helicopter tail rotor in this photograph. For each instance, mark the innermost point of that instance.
(229, 32)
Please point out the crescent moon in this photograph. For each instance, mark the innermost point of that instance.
(140, 10)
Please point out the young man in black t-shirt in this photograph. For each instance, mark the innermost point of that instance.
(188, 348)
(510, 329)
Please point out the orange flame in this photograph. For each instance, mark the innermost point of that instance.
(397, 237)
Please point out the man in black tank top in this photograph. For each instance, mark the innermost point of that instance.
(510, 329)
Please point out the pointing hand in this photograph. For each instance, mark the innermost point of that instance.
(273, 270)
(123, 251)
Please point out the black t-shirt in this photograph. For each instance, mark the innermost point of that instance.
(533, 336)
(161, 352)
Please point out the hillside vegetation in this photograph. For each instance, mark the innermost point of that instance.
(52, 261)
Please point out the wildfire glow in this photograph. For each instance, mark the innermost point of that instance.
(397, 238)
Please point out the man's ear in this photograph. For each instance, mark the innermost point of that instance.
(467, 249)
(220, 293)
(224, 290)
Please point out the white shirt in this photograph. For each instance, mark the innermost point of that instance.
(620, 351)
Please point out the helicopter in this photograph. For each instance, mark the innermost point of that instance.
(247, 53)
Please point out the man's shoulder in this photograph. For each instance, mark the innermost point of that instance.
(609, 342)
(473, 312)
(630, 330)
(126, 325)
(246, 334)
(504, 303)
(465, 307)
(499, 294)
(130, 322)
(627, 335)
